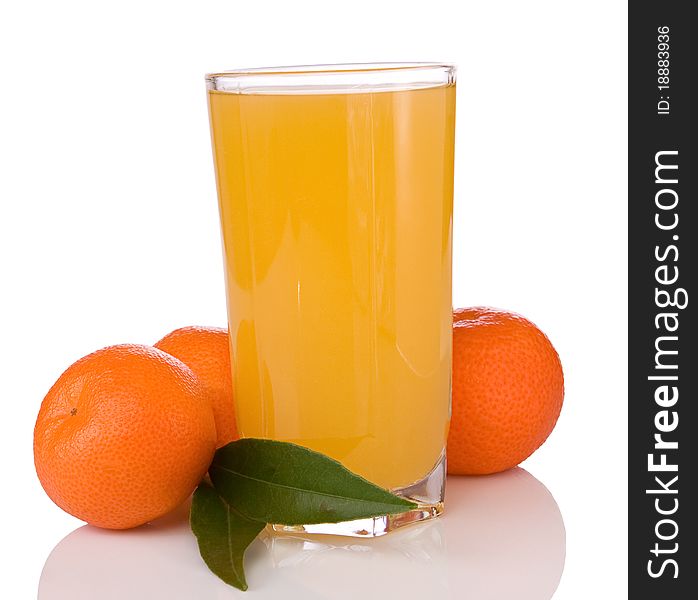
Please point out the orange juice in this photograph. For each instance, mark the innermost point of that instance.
(336, 213)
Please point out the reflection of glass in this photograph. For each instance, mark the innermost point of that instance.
(413, 556)
(335, 188)
(502, 538)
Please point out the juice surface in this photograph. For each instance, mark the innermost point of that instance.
(336, 212)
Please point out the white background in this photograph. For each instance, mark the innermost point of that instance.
(108, 217)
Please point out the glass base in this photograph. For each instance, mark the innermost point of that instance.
(427, 493)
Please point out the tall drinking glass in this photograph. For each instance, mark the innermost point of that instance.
(335, 188)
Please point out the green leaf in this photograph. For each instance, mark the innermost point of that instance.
(279, 482)
(223, 535)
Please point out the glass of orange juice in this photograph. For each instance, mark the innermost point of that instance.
(335, 189)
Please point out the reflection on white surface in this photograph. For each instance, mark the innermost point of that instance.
(501, 537)
(508, 540)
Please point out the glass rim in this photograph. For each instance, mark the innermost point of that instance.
(328, 78)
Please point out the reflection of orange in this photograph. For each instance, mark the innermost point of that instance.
(507, 390)
(205, 350)
(123, 436)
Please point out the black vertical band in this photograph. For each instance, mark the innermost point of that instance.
(663, 261)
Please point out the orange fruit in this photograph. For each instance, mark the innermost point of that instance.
(507, 391)
(124, 436)
(205, 350)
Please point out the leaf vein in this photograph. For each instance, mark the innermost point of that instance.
(230, 546)
(305, 491)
